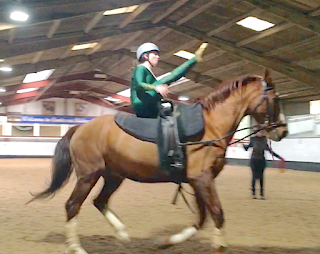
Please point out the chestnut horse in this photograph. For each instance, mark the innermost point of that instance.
(100, 148)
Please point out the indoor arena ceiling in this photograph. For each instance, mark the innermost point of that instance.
(290, 48)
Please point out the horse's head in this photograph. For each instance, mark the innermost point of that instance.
(265, 108)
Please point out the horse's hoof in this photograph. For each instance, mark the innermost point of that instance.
(163, 242)
(219, 249)
(78, 250)
(123, 236)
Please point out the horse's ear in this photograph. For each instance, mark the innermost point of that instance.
(267, 77)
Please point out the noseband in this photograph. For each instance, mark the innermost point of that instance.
(269, 123)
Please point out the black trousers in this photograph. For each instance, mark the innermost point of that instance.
(257, 167)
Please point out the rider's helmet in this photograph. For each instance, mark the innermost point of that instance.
(146, 48)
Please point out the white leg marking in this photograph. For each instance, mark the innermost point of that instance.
(120, 228)
(183, 235)
(73, 241)
(219, 238)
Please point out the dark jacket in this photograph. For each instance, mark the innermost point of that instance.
(259, 145)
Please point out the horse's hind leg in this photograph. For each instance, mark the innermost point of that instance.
(111, 184)
(81, 191)
(188, 232)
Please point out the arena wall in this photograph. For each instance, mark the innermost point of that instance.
(300, 154)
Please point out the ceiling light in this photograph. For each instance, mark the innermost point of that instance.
(183, 98)
(121, 10)
(0, 103)
(1, 60)
(27, 90)
(109, 98)
(125, 93)
(2, 90)
(84, 46)
(184, 54)
(6, 68)
(19, 16)
(100, 75)
(255, 24)
(37, 76)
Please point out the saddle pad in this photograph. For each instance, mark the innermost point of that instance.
(190, 122)
(145, 129)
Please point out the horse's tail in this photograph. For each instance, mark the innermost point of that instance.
(61, 166)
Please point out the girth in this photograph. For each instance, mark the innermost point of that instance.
(168, 131)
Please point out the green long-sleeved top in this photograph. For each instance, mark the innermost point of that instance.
(144, 98)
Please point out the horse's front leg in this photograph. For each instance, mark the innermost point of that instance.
(188, 232)
(205, 185)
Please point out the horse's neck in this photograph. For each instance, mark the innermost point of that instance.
(225, 117)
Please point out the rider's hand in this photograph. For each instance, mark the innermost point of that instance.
(162, 90)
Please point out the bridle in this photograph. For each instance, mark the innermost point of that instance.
(270, 122)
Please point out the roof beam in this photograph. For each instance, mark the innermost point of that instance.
(82, 76)
(72, 8)
(226, 67)
(315, 57)
(130, 38)
(122, 58)
(182, 47)
(96, 101)
(12, 34)
(161, 34)
(265, 33)
(52, 82)
(92, 75)
(22, 69)
(99, 46)
(18, 96)
(233, 22)
(39, 84)
(294, 91)
(315, 12)
(53, 29)
(66, 53)
(296, 73)
(171, 9)
(305, 98)
(292, 46)
(86, 87)
(32, 45)
(36, 57)
(215, 54)
(134, 14)
(288, 13)
(197, 12)
(95, 20)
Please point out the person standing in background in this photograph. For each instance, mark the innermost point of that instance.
(259, 144)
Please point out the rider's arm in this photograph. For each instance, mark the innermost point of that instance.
(178, 72)
(140, 77)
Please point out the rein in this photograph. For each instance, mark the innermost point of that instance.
(268, 125)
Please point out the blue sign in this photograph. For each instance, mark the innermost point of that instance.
(54, 119)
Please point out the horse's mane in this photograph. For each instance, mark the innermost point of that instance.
(224, 90)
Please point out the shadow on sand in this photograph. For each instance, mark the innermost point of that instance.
(99, 244)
